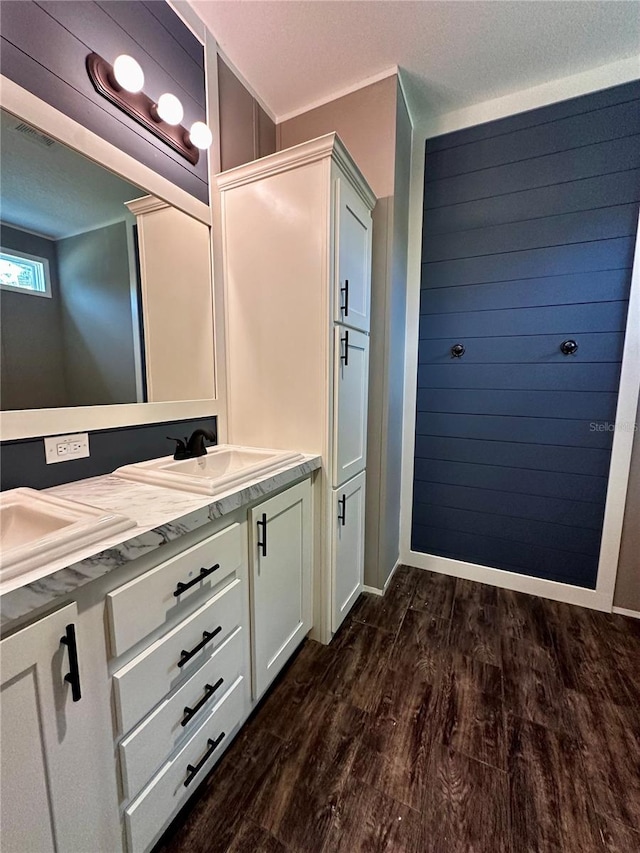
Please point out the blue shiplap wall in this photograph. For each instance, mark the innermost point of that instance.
(528, 238)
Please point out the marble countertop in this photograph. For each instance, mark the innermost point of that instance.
(161, 515)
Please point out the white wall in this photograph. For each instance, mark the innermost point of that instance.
(426, 126)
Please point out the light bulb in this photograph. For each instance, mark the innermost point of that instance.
(200, 135)
(169, 109)
(128, 73)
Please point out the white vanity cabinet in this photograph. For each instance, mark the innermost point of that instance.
(297, 261)
(280, 573)
(55, 792)
(167, 648)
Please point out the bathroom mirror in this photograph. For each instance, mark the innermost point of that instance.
(105, 291)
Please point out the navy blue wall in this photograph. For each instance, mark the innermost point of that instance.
(528, 237)
(44, 46)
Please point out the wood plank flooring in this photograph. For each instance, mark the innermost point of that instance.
(446, 717)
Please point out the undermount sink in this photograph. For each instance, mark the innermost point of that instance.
(36, 528)
(222, 468)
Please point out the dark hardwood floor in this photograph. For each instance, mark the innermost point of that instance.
(446, 717)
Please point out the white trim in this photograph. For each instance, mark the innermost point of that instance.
(247, 85)
(405, 97)
(190, 18)
(38, 259)
(217, 264)
(622, 611)
(602, 597)
(628, 393)
(339, 93)
(33, 423)
(510, 580)
(57, 125)
(146, 204)
(329, 145)
(561, 89)
(374, 590)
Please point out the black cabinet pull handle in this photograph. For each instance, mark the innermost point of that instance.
(209, 690)
(207, 637)
(73, 676)
(457, 351)
(193, 770)
(344, 357)
(345, 307)
(342, 513)
(569, 347)
(181, 587)
(263, 524)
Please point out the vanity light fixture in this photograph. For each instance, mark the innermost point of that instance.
(122, 85)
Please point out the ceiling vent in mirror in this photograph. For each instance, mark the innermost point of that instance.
(34, 134)
(122, 82)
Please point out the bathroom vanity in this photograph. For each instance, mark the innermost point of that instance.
(127, 671)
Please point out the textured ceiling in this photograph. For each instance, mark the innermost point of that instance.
(53, 190)
(295, 53)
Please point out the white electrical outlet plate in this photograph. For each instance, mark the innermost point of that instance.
(63, 448)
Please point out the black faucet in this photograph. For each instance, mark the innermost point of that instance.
(194, 446)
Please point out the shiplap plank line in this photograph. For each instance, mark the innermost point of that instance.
(592, 256)
(558, 459)
(538, 116)
(582, 227)
(517, 480)
(579, 569)
(518, 530)
(524, 205)
(565, 405)
(571, 289)
(562, 511)
(163, 13)
(560, 319)
(559, 432)
(569, 376)
(568, 134)
(565, 167)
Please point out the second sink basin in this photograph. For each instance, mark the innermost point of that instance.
(37, 528)
(222, 468)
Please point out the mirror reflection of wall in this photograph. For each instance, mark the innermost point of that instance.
(69, 304)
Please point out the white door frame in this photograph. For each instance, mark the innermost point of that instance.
(600, 598)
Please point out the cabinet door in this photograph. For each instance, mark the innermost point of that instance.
(351, 392)
(281, 580)
(45, 743)
(347, 558)
(353, 258)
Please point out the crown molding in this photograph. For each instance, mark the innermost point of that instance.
(329, 145)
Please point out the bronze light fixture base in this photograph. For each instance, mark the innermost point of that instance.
(140, 107)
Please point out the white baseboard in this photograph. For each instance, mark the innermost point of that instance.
(510, 580)
(374, 590)
(622, 611)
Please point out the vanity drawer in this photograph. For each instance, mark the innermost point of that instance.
(142, 751)
(142, 605)
(143, 682)
(150, 812)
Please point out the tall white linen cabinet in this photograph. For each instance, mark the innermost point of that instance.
(297, 274)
